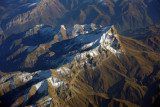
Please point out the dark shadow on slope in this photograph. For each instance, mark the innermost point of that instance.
(65, 51)
(9, 98)
(12, 11)
(44, 35)
(41, 93)
(15, 63)
(152, 81)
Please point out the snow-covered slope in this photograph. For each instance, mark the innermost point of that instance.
(77, 66)
(60, 46)
(76, 46)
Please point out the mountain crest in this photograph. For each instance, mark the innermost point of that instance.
(73, 66)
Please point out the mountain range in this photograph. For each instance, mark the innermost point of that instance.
(83, 65)
(19, 16)
(79, 53)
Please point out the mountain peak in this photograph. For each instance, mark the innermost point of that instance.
(62, 63)
(77, 42)
(50, 57)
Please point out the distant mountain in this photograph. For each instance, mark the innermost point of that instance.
(19, 16)
(149, 35)
(83, 65)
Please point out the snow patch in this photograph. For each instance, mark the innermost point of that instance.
(88, 45)
(84, 55)
(33, 4)
(38, 85)
(40, 25)
(56, 82)
(63, 70)
(45, 102)
(108, 42)
(25, 77)
(62, 26)
(76, 30)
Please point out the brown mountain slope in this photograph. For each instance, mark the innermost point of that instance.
(115, 71)
(123, 14)
(46, 12)
(149, 35)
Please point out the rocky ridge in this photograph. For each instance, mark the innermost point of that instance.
(125, 15)
(85, 65)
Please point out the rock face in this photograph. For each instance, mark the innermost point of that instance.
(83, 65)
(19, 16)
